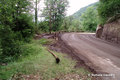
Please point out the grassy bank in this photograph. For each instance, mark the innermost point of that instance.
(37, 63)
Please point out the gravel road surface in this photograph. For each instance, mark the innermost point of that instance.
(102, 55)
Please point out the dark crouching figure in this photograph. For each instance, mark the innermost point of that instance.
(99, 31)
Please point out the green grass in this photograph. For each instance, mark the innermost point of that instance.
(44, 41)
(38, 61)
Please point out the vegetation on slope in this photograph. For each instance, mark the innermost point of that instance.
(86, 19)
(89, 19)
(77, 14)
(108, 9)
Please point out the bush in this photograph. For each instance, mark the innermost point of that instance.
(24, 27)
(9, 45)
(107, 9)
(11, 37)
(16, 27)
(43, 26)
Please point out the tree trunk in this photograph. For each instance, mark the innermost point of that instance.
(36, 17)
(50, 22)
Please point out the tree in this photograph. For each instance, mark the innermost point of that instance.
(15, 27)
(36, 11)
(89, 19)
(54, 12)
(108, 9)
(71, 24)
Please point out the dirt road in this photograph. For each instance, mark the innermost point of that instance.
(101, 55)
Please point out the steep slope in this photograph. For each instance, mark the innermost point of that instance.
(111, 31)
(109, 18)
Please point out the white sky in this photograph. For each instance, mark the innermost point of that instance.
(74, 5)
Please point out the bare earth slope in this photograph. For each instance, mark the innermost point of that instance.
(102, 55)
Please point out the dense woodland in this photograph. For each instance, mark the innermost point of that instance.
(18, 24)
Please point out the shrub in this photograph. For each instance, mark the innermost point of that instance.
(43, 26)
(24, 27)
(9, 45)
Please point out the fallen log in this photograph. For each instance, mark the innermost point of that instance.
(57, 59)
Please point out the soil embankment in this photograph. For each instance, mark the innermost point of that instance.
(111, 31)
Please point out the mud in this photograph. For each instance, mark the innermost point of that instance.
(61, 46)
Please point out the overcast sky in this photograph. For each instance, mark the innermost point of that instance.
(74, 5)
